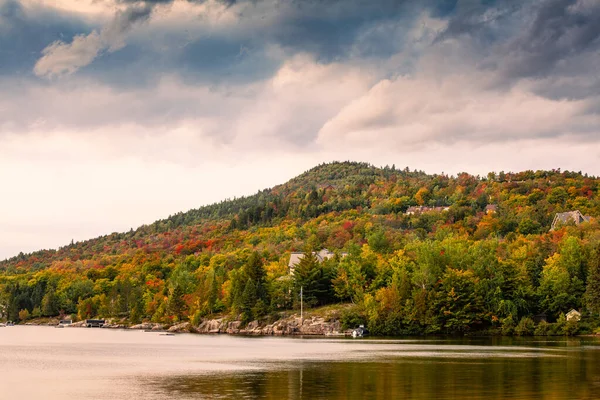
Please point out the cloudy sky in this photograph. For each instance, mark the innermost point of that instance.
(114, 113)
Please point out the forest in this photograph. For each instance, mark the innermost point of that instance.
(480, 256)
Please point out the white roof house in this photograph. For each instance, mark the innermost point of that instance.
(322, 255)
(573, 315)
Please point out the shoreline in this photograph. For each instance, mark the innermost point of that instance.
(289, 326)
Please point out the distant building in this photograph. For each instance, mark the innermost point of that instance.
(322, 255)
(542, 317)
(564, 218)
(491, 209)
(424, 209)
(573, 315)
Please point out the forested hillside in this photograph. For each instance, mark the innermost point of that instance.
(478, 255)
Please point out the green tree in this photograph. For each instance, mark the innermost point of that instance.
(248, 301)
(592, 291)
(177, 306)
(50, 304)
(311, 277)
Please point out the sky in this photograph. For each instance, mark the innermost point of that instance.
(115, 113)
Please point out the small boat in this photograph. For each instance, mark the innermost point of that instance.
(359, 332)
(10, 323)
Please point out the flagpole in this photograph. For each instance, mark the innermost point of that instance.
(301, 308)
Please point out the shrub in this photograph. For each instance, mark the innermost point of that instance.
(351, 318)
(542, 329)
(24, 315)
(526, 327)
(508, 326)
(570, 328)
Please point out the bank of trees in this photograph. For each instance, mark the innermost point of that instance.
(463, 270)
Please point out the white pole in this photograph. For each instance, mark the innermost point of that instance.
(301, 308)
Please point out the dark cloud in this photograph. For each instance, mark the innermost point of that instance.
(482, 21)
(560, 29)
(555, 42)
(25, 33)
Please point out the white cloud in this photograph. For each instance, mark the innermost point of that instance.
(412, 111)
(61, 58)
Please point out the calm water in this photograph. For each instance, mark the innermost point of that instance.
(49, 363)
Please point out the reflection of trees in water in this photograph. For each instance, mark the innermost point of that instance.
(486, 378)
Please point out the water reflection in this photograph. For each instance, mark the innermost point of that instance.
(571, 377)
(120, 365)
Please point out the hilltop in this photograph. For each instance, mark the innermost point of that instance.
(411, 237)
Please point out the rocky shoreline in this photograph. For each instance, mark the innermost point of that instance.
(289, 326)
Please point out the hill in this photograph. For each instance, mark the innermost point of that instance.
(427, 253)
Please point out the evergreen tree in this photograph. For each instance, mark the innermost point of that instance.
(315, 284)
(254, 271)
(176, 303)
(248, 301)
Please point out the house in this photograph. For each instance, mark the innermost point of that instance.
(491, 209)
(564, 218)
(542, 317)
(573, 315)
(424, 209)
(322, 255)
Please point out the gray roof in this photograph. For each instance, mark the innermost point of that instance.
(322, 255)
(491, 207)
(570, 216)
(295, 259)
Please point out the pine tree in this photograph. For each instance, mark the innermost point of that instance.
(309, 275)
(255, 272)
(248, 302)
(176, 303)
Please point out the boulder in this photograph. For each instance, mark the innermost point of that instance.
(182, 327)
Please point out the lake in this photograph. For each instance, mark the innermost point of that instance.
(49, 363)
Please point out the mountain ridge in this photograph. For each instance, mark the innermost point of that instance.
(326, 175)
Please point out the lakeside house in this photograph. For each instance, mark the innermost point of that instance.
(573, 315)
(321, 256)
(564, 218)
(424, 209)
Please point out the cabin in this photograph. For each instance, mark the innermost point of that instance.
(94, 323)
(569, 217)
(321, 256)
(573, 315)
(491, 209)
(542, 317)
